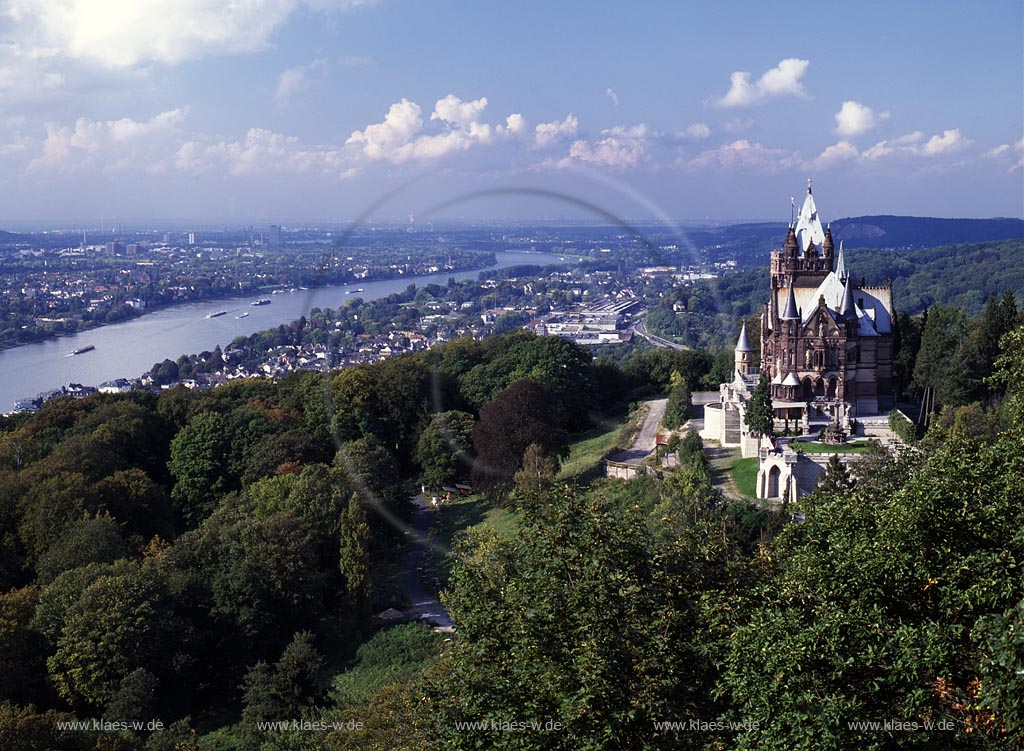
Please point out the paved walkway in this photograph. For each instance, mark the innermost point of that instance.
(646, 441)
(424, 604)
(720, 459)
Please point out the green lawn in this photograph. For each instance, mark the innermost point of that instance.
(461, 514)
(817, 447)
(744, 474)
(586, 453)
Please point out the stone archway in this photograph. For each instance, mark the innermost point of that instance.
(808, 390)
(772, 491)
(819, 387)
(832, 385)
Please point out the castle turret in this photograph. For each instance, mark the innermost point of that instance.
(743, 352)
(791, 249)
(848, 310)
(828, 247)
(790, 313)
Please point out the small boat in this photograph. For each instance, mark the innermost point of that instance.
(243, 314)
(83, 350)
(263, 301)
(218, 314)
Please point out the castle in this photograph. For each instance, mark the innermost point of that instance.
(826, 342)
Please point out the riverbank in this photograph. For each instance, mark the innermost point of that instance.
(131, 348)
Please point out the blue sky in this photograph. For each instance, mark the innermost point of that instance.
(299, 111)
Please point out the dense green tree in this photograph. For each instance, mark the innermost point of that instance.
(562, 367)
(284, 691)
(906, 342)
(677, 408)
(57, 597)
(760, 412)
(386, 401)
(537, 472)
(93, 540)
(998, 318)
(267, 579)
(50, 504)
(119, 623)
(883, 604)
(443, 448)
(25, 728)
(373, 473)
(135, 699)
(354, 555)
(836, 478)
(198, 463)
(292, 447)
(942, 366)
(137, 502)
(579, 620)
(22, 647)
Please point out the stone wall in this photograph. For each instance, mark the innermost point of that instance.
(714, 427)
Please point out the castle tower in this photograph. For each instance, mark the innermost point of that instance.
(743, 352)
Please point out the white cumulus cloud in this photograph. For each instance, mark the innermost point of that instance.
(621, 147)
(610, 93)
(838, 152)
(398, 138)
(1006, 150)
(913, 144)
(742, 154)
(295, 80)
(697, 132)
(110, 144)
(124, 33)
(386, 139)
(515, 125)
(949, 142)
(454, 111)
(547, 133)
(782, 80)
(854, 118)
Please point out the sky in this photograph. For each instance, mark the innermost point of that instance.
(324, 111)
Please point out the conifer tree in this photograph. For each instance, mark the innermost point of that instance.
(760, 412)
(354, 557)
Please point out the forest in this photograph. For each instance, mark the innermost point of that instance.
(214, 561)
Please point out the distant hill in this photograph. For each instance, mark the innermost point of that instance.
(921, 232)
(9, 238)
(962, 275)
(750, 243)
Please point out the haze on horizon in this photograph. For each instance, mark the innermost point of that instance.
(320, 111)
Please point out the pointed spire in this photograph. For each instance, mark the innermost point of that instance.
(791, 313)
(743, 345)
(828, 247)
(840, 265)
(791, 248)
(847, 309)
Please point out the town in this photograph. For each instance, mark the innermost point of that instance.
(584, 304)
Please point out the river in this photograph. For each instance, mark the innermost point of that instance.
(129, 349)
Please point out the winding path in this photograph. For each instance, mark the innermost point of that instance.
(646, 441)
(424, 604)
